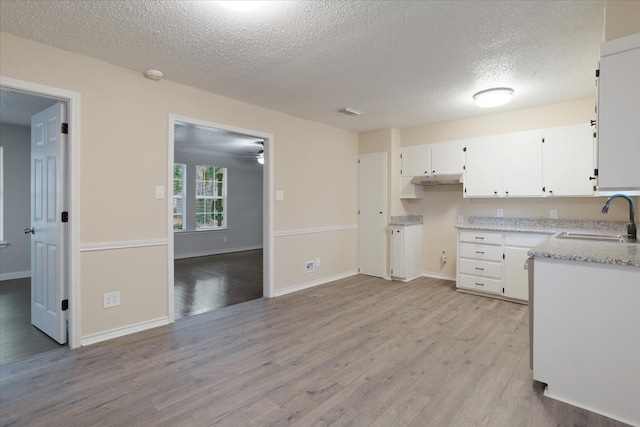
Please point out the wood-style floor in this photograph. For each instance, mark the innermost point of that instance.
(360, 351)
(18, 338)
(206, 283)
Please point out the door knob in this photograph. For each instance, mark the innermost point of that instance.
(29, 231)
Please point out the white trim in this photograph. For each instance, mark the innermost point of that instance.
(73, 100)
(217, 252)
(315, 230)
(546, 393)
(15, 275)
(124, 330)
(267, 204)
(438, 276)
(106, 246)
(314, 283)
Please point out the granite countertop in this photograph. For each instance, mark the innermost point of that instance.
(406, 220)
(571, 250)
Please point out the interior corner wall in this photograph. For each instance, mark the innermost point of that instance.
(441, 205)
(243, 207)
(124, 156)
(15, 259)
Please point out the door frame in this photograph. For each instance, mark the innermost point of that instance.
(267, 205)
(73, 186)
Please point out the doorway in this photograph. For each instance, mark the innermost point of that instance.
(220, 216)
(31, 116)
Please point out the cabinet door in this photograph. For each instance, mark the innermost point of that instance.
(483, 171)
(568, 161)
(618, 115)
(516, 279)
(397, 252)
(416, 160)
(522, 158)
(447, 158)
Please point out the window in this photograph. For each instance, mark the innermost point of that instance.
(211, 193)
(179, 175)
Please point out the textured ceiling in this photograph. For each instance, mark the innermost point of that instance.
(191, 137)
(16, 108)
(403, 63)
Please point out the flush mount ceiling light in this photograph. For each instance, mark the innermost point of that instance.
(242, 6)
(153, 74)
(493, 97)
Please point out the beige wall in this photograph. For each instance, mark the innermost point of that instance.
(124, 145)
(622, 17)
(441, 205)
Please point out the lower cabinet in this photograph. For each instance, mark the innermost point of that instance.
(492, 263)
(406, 251)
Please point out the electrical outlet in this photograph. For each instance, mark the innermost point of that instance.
(500, 213)
(111, 299)
(553, 214)
(309, 267)
(460, 219)
(317, 262)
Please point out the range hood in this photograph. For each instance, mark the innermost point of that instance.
(437, 179)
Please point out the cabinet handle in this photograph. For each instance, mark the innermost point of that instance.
(592, 178)
(479, 238)
(495, 193)
(478, 268)
(478, 252)
(479, 284)
(506, 192)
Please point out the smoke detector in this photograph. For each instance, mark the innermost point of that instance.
(153, 74)
(349, 111)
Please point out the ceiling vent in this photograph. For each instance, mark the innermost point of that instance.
(349, 111)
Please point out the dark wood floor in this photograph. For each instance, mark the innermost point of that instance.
(18, 338)
(205, 283)
(359, 351)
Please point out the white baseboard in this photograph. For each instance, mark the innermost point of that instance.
(314, 283)
(216, 252)
(15, 275)
(438, 276)
(124, 330)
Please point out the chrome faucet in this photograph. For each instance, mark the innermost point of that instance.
(631, 228)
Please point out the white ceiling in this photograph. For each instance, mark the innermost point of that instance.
(16, 108)
(190, 137)
(403, 63)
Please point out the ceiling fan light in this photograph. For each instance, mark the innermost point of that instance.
(493, 97)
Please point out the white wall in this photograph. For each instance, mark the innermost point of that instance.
(243, 210)
(15, 259)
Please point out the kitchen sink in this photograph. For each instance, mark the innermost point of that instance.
(591, 237)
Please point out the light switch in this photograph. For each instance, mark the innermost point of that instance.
(279, 195)
(159, 192)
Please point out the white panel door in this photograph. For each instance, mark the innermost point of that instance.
(48, 232)
(483, 170)
(568, 161)
(372, 196)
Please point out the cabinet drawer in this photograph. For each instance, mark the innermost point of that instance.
(481, 237)
(479, 251)
(480, 284)
(524, 239)
(480, 268)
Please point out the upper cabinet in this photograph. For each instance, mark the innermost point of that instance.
(619, 115)
(568, 161)
(416, 160)
(522, 163)
(447, 158)
(483, 171)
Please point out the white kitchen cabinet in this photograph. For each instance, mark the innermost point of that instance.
(483, 170)
(492, 263)
(447, 158)
(516, 278)
(406, 252)
(522, 164)
(568, 161)
(415, 160)
(618, 115)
